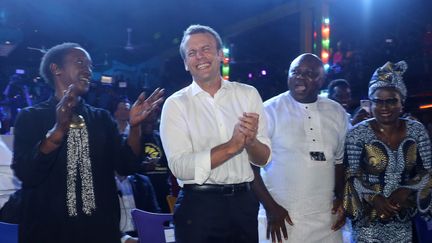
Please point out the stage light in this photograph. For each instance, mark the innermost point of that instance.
(428, 106)
(324, 55)
(263, 72)
(225, 51)
(325, 40)
(226, 63)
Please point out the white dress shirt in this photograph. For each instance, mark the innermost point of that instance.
(298, 182)
(193, 122)
(127, 203)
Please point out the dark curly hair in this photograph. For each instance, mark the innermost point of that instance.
(55, 55)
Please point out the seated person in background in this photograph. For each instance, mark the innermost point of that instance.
(120, 110)
(153, 152)
(339, 90)
(135, 191)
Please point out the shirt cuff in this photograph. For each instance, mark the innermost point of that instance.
(202, 166)
(338, 161)
(124, 238)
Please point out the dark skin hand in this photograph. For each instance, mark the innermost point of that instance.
(385, 209)
(340, 212)
(143, 108)
(276, 217)
(276, 214)
(399, 197)
(64, 112)
(65, 108)
(338, 202)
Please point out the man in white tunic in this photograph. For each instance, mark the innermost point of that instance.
(304, 180)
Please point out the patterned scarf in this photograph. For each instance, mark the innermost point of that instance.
(389, 76)
(78, 161)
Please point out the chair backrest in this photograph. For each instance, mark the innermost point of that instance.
(171, 202)
(8, 233)
(150, 226)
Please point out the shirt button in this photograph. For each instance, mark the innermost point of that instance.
(313, 140)
(309, 117)
(311, 128)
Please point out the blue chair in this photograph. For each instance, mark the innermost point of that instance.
(8, 233)
(151, 226)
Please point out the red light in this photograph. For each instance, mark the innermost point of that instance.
(325, 31)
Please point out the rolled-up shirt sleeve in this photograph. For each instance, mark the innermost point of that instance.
(262, 134)
(185, 163)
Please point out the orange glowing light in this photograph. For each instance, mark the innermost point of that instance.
(426, 106)
(324, 55)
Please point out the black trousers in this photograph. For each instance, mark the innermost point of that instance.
(201, 217)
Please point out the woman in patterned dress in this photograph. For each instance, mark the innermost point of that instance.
(388, 164)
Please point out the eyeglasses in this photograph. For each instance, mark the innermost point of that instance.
(389, 102)
(304, 73)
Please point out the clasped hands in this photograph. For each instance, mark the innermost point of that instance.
(245, 131)
(387, 207)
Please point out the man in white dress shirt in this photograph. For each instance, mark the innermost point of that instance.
(212, 131)
(304, 181)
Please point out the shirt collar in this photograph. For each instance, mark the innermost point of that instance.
(196, 89)
(311, 105)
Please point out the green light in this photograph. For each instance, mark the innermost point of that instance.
(325, 44)
(225, 70)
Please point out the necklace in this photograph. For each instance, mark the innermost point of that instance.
(391, 136)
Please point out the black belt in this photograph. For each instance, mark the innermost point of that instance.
(226, 190)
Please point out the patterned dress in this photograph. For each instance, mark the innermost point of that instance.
(373, 168)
